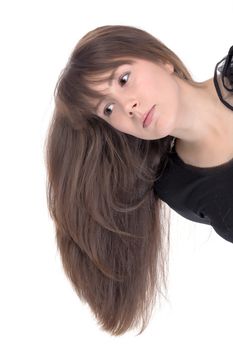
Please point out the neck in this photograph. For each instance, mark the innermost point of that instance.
(203, 120)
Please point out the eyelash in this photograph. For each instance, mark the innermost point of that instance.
(128, 73)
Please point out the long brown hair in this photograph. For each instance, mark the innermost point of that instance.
(112, 231)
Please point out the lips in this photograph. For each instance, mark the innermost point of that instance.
(147, 114)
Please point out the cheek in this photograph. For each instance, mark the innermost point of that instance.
(167, 111)
(169, 95)
(123, 126)
(158, 90)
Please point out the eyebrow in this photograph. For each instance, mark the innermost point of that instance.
(110, 80)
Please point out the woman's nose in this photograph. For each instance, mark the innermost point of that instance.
(132, 107)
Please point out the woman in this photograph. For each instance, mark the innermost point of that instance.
(121, 101)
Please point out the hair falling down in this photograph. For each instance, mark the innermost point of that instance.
(112, 231)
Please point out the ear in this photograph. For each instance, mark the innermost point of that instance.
(169, 67)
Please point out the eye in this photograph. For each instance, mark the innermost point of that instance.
(121, 79)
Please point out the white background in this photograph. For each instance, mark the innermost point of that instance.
(38, 307)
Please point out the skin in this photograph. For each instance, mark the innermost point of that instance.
(202, 124)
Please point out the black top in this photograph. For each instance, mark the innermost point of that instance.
(203, 195)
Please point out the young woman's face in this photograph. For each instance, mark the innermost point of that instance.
(134, 90)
